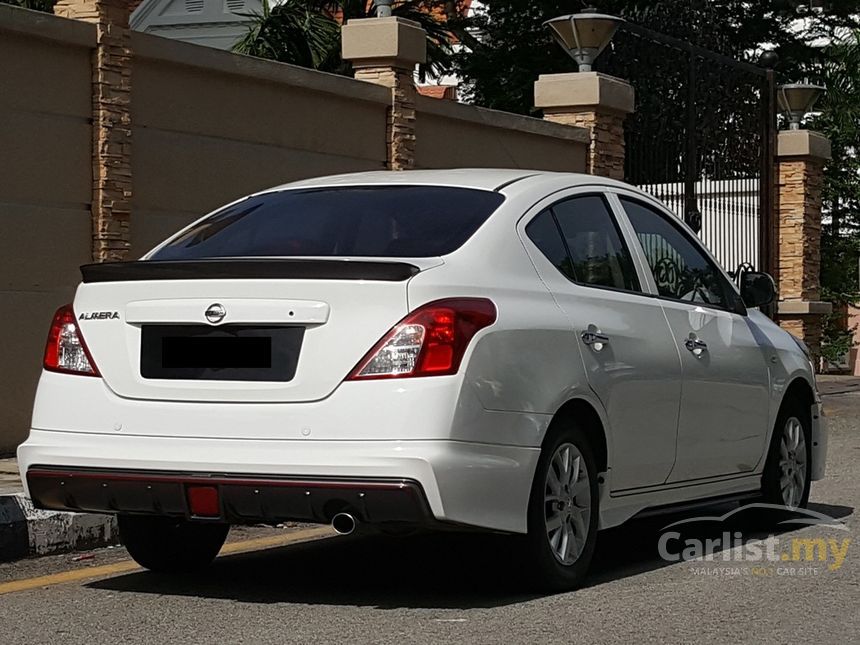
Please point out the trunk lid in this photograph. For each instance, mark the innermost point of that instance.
(134, 316)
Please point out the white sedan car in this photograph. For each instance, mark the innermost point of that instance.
(527, 352)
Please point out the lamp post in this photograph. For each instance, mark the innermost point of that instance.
(383, 8)
(584, 35)
(796, 100)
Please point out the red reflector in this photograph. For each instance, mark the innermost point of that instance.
(203, 501)
(437, 358)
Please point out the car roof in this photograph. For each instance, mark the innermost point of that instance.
(480, 178)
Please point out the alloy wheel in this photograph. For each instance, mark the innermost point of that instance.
(567, 503)
(792, 462)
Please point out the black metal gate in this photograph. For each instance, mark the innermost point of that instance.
(701, 139)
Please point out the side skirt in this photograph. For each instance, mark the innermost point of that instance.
(617, 508)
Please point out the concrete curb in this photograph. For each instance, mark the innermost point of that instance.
(27, 531)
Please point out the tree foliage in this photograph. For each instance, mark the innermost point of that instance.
(839, 120)
(46, 6)
(307, 32)
(510, 36)
(300, 32)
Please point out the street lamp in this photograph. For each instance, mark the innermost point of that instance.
(383, 8)
(796, 100)
(584, 35)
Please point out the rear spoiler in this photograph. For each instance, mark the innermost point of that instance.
(265, 269)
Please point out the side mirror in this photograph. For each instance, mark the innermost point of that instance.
(757, 289)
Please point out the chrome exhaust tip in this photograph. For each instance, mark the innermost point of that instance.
(343, 523)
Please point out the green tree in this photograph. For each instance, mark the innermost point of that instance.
(307, 32)
(300, 32)
(36, 5)
(510, 36)
(839, 120)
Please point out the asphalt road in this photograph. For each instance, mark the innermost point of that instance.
(455, 588)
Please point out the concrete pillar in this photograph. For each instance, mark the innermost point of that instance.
(385, 51)
(801, 156)
(596, 102)
(111, 201)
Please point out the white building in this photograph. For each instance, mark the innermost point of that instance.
(214, 23)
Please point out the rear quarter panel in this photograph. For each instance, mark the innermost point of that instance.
(526, 365)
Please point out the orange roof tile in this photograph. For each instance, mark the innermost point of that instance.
(439, 91)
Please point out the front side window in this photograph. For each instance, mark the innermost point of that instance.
(379, 221)
(680, 269)
(580, 237)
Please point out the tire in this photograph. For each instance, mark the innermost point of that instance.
(545, 565)
(171, 545)
(789, 458)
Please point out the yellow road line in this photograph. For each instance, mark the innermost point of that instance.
(64, 577)
(256, 544)
(125, 566)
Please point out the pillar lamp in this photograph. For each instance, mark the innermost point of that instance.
(584, 35)
(796, 100)
(383, 8)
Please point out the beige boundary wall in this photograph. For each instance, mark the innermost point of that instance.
(207, 127)
(45, 189)
(450, 134)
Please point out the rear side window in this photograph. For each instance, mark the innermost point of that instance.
(382, 221)
(543, 231)
(589, 237)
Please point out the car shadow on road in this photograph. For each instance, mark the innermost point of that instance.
(632, 548)
(433, 570)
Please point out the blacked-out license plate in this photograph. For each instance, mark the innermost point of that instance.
(227, 353)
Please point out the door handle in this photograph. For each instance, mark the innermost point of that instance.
(594, 339)
(695, 345)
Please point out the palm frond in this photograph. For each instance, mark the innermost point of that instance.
(300, 32)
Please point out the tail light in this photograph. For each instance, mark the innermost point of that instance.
(431, 341)
(66, 351)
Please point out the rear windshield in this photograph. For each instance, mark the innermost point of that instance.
(385, 221)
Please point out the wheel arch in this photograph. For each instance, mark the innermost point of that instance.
(587, 417)
(800, 388)
(798, 398)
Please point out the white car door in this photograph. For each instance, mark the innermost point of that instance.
(629, 354)
(724, 401)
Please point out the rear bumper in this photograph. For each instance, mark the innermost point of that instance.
(239, 498)
(476, 484)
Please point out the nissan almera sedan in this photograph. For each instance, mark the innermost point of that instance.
(533, 353)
